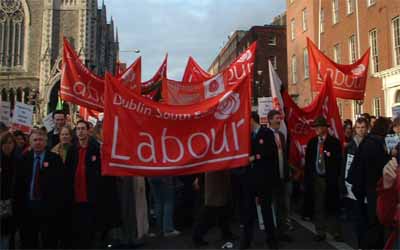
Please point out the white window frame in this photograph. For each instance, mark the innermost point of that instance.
(304, 19)
(294, 69)
(306, 64)
(337, 53)
(373, 43)
(350, 7)
(340, 108)
(377, 106)
(371, 2)
(357, 109)
(292, 29)
(335, 11)
(272, 40)
(322, 21)
(396, 40)
(352, 49)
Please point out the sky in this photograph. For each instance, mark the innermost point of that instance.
(183, 28)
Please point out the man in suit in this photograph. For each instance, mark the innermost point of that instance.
(321, 179)
(257, 181)
(93, 196)
(59, 119)
(40, 195)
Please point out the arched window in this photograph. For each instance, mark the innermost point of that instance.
(19, 94)
(397, 97)
(12, 33)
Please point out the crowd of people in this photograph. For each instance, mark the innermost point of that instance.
(53, 194)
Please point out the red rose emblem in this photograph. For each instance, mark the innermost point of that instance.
(258, 157)
(261, 141)
(45, 164)
(213, 86)
(94, 158)
(328, 153)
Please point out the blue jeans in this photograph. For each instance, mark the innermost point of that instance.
(163, 193)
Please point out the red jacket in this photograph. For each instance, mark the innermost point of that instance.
(388, 209)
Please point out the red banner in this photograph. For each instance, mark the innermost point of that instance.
(299, 123)
(142, 137)
(194, 73)
(86, 113)
(132, 76)
(182, 93)
(78, 84)
(349, 81)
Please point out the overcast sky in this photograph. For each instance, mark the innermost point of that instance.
(183, 28)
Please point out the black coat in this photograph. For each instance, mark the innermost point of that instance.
(101, 190)
(265, 168)
(367, 167)
(52, 182)
(333, 163)
(52, 139)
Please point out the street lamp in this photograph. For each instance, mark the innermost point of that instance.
(130, 51)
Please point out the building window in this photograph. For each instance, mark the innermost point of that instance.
(335, 11)
(396, 34)
(294, 69)
(373, 43)
(292, 31)
(322, 21)
(337, 53)
(306, 65)
(340, 107)
(12, 34)
(377, 107)
(304, 19)
(274, 62)
(350, 6)
(358, 108)
(272, 40)
(371, 2)
(352, 49)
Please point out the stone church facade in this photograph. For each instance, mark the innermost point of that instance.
(31, 38)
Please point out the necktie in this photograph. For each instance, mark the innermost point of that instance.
(278, 140)
(321, 162)
(36, 187)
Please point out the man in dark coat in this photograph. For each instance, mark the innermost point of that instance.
(364, 175)
(321, 179)
(93, 196)
(259, 180)
(54, 135)
(352, 209)
(40, 195)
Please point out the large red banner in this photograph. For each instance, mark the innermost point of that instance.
(78, 84)
(183, 93)
(142, 137)
(132, 76)
(194, 73)
(299, 123)
(157, 78)
(349, 81)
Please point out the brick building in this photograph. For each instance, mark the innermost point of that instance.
(31, 46)
(271, 45)
(344, 30)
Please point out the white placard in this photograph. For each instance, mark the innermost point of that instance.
(391, 141)
(395, 111)
(264, 106)
(22, 117)
(5, 112)
(48, 122)
(92, 120)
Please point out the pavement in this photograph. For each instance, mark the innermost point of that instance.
(302, 235)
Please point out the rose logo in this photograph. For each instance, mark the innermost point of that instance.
(213, 86)
(245, 57)
(359, 70)
(228, 106)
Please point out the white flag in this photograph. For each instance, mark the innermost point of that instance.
(277, 101)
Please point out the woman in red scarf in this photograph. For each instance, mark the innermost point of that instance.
(388, 206)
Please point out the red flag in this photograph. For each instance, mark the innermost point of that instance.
(146, 138)
(78, 84)
(181, 93)
(86, 113)
(158, 76)
(299, 123)
(194, 73)
(132, 76)
(349, 81)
